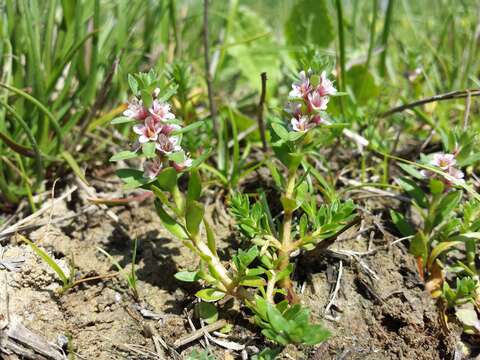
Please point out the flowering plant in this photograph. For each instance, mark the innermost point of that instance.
(259, 275)
(448, 223)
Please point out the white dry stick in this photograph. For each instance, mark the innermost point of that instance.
(337, 287)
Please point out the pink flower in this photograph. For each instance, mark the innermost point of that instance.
(168, 128)
(148, 131)
(136, 110)
(161, 111)
(443, 161)
(301, 124)
(151, 168)
(301, 88)
(294, 108)
(168, 145)
(317, 102)
(325, 88)
(446, 163)
(185, 164)
(455, 173)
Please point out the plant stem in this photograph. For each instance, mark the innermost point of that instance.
(385, 33)
(286, 249)
(470, 247)
(214, 263)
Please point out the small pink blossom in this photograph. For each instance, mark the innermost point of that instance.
(317, 102)
(443, 161)
(136, 110)
(151, 168)
(294, 108)
(325, 88)
(168, 145)
(301, 88)
(455, 173)
(161, 111)
(148, 131)
(302, 124)
(168, 128)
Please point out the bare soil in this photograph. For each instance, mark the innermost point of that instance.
(380, 310)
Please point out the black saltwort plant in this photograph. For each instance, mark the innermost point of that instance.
(259, 275)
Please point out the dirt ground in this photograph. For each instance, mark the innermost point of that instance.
(377, 306)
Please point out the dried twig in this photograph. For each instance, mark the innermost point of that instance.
(460, 94)
(337, 288)
(199, 333)
(261, 122)
(17, 339)
(468, 102)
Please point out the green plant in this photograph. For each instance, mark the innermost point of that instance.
(260, 274)
(129, 276)
(68, 281)
(448, 223)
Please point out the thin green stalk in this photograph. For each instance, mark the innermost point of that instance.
(31, 139)
(385, 35)
(214, 263)
(471, 251)
(26, 184)
(373, 24)
(341, 39)
(286, 240)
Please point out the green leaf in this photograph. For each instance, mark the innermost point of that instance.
(42, 254)
(132, 82)
(133, 178)
(418, 246)
(413, 190)
(285, 272)
(148, 149)
(362, 84)
(169, 223)
(194, 216)
(253, 281)
(309, 24)
(187, 276)
(436, 186)
(188, 128)
(401, 223)
(253, 46)
(207, 312)
(295, 135)
(276, 320)
(210, 295)
(448, 203)
(122, 120)
(440, 249)
(194, 186)
(167, 179)
(74, 166)
(210, 237)
(123, 155)
(280, 131)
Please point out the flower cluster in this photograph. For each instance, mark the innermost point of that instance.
(446, 163)
(307, 99)
(156, 124)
